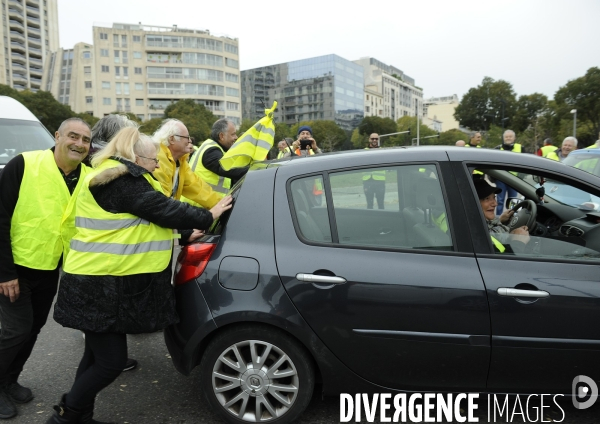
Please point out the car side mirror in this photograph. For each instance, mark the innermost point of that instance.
(512, 202)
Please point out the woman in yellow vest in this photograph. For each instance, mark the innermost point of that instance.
(117, 275)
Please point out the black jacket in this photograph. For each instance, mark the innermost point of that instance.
(135, 303)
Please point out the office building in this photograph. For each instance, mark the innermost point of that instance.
(142, 69)
(391, 93)
(320, 88)
(29, 34)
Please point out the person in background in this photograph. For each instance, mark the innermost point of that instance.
(546, 148)
(460, 143)
(117, 274)
(568, 145)
(305, 145)
(508, 144)
(37, 191)
(475, 140)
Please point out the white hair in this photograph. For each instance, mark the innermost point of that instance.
(168, 128)
(573, 139)
(508, 132)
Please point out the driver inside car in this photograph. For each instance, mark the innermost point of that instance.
(503, 239)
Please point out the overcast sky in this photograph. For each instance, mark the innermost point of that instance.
(447, 46)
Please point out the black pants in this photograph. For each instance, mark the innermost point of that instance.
(104, 358)
(22, 321)
(374, 188)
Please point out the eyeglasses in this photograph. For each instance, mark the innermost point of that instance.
(374, 139)
(190, 139)
(144, 157)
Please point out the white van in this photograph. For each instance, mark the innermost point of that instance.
(20, 131)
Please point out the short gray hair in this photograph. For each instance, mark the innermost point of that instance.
(472, 134)
(507, 132)
(66, 122)
(570, 138)
(168, 128)
(107, 127)
(219, 127)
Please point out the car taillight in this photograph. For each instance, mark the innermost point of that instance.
(192, 261)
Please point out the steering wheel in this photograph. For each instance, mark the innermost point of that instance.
(526, 217)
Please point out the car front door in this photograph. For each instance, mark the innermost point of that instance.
(544, 299)
(392, 291)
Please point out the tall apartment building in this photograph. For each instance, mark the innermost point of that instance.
(442, 109)
(320, 88)
(142, 69)
(29, 34)
(389, 92)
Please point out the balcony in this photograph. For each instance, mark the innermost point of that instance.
(20, 58)
(15, 12)
(19, 87)
(35, 61)
(33, 19)
(34, 10)
(16, 24)
(36, 42)
(19, 66)
(17, 35)
(32, 30)
(37, 71)
(17, 46)
(33, 3)
(15, 3)
(35, 51)
(37, 81)
(18, 78)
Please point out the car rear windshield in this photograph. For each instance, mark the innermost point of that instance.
(18, 136)
(588, 162)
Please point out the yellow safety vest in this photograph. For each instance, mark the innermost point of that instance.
(115, 244)
(376, 175)
(280, 154)
(441, 222)
(553, 155)
(547, 149)
(219, 184)
(43, 221)
(596, 145)
(497, 244)
(468, 145)
(516, 149)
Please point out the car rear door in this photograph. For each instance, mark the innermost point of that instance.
(394, 293)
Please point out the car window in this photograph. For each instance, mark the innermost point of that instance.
(588, 162)
(18, 136)
(310, 208)
(391, 207)
(565, 223)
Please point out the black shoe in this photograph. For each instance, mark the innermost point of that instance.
(64, 415)
(131, 364)
(7, 406)
(18, 393)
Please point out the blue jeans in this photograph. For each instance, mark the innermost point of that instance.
(502, 196)
(22, 321)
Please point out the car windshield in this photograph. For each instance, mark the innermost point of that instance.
(563, 193)
(18, 136)
(586, 161)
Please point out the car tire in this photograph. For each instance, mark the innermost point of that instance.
(255, 373)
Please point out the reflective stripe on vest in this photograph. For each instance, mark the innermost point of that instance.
(441, 222)
(498, 245)
(468, 145)
(219, 184)
(375, 175)
(116, 244)
(546, 150)
(553, 155)
(43, 220)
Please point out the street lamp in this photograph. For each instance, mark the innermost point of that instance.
(574, 112)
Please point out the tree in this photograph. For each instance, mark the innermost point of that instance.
(450, 137)
(46, 108)
(376, 124)
(328, 135)
(358, 140)
(488, 104)
(151, 125)
(529, 108)
(583, 94)
(246, 124)
(410, 123)
(196, 117)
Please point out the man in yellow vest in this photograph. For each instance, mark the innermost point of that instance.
(37, 192)
(305, 145)
(374, 181)
(508, 143)
(475, 140)
(546, 148)
(568, 145)
(205, 161)
(285, 148)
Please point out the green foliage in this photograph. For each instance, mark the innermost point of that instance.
(376, 124)
(410, 123)
(151, 125)
(486, 105)
(583, 94)
(282, 130)
(90, 119)
(529, 108)
(328, 135)
(450, 137)
(358, 140)
(196, 118)
(246, 124)
(46, 108)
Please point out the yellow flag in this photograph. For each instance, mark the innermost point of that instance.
(253, 145)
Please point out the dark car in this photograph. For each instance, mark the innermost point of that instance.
(302, 284)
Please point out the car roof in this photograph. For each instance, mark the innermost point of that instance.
(13, 109)
(595, 151)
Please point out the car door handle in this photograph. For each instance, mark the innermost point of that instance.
(324, 279)
(503, 291)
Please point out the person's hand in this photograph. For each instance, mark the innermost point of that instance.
(506, 216)
(222, 206)
(196, 234)
(313, 144)
(296, 144)
(521, 234)
(10, 289)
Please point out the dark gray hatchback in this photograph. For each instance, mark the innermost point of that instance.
(374, 271)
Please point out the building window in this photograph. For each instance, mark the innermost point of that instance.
(233, 106)
(231, 48)
(89, 99)
(106, 85)
(118, 86)
(88, 84)
(115, 40)
(137, 71)
(232, 77)
(104, 52)
(139, 102)
(87, 70)
(118, 71)
(87, 55)
(103, 36)
(233, 92)
(106, 101)
(123, 41)
(137, 55)
(125, 59)
(126, 88)
(137, 39)
(139, 86)
(105, 68)
(117, 56)
(125, 72)
(141, 117)
(232, 63)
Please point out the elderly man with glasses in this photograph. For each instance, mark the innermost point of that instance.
(374, 181)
